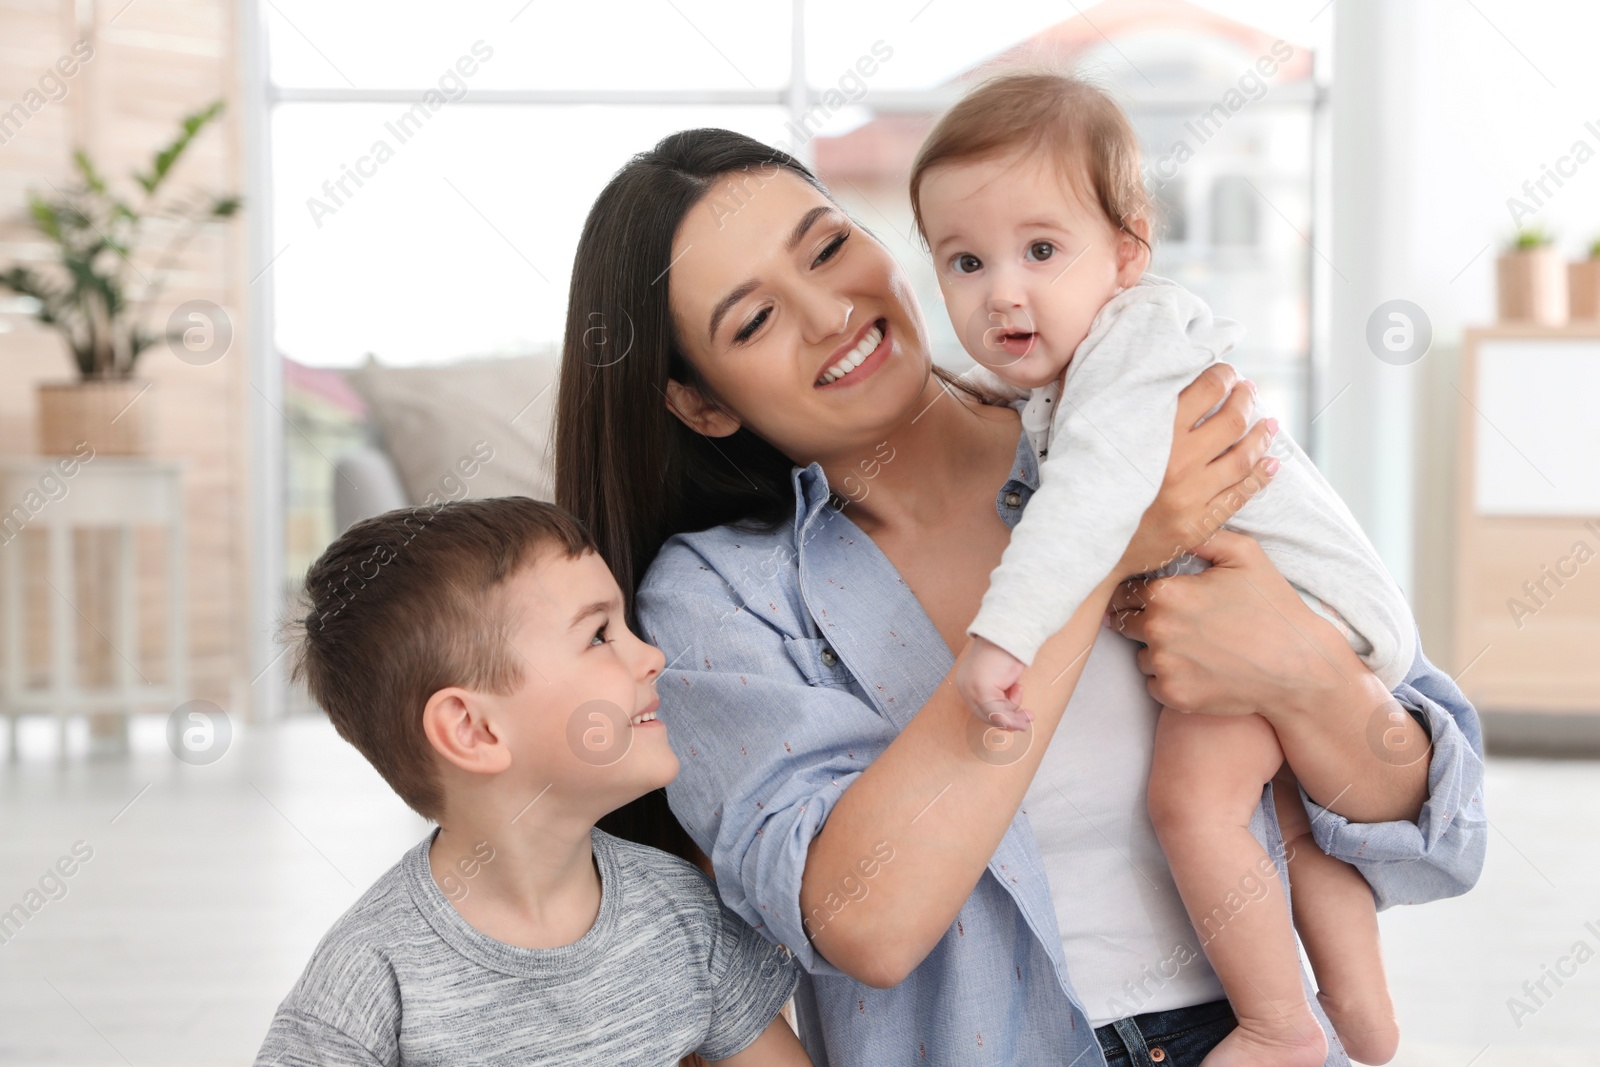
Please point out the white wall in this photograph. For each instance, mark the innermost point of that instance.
(1441, 112)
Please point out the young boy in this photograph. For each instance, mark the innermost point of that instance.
(477, 654)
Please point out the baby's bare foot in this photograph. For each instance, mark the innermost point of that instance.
(1293, 1041)
(1366, 1025)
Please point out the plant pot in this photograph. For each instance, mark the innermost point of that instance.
(1583, 290)
(111, 414)
(1532, 287)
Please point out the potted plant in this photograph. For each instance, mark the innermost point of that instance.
(95, 296)
(1532, 283)
(1583, 285)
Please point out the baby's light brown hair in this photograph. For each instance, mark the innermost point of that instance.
(1072, 122)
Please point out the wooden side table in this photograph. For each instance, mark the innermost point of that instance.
(58, 495)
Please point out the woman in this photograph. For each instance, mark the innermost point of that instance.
(815, 547)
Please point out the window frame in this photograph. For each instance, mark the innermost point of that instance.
(267, 462)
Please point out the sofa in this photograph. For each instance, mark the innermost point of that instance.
(474, 428)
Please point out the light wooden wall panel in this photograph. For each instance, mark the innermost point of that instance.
(155, 61)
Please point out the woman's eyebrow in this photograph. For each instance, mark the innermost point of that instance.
(806, 222)
(726, 304)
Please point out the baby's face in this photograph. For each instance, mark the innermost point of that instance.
(1024, 263)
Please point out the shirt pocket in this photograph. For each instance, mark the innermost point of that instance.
(818, 662)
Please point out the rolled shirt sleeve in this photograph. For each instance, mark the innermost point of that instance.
(1440, 854)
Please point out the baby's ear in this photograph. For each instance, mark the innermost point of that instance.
(1133, 251)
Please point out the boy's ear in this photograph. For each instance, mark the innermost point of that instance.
(698, 412)
(458, 727)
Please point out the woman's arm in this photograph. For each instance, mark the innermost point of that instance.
(1237, 639)
(942, 810)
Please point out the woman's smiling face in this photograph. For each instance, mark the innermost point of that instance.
(800, 323)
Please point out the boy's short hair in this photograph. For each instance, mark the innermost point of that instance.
(1072, 122)
(405, 604)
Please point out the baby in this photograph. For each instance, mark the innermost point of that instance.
(1028, 193)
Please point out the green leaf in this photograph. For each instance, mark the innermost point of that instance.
(167, 157)
(45, 216)
(1531, 238)
(52, 299)
(91, 177)
(53, 308)
(94, 232)
(22, 281)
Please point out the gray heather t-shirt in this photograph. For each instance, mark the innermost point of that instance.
(666, 970)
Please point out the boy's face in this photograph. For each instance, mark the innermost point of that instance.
(1024, 263)
(582, 722)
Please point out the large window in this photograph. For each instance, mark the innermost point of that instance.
(431, 164)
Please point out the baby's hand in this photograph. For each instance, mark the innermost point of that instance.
(988, 679)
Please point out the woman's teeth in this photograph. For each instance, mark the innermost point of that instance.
(857, 356)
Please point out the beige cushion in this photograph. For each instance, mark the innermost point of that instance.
(440, 421)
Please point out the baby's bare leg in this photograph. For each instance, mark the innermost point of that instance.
(1338, 923)
(1205, 784)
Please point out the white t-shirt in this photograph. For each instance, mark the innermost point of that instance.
(1128, 942)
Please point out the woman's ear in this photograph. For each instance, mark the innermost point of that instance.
(458, 727)
(696, 411)
(1133, 250)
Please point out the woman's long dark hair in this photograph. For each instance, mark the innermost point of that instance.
(625, 465)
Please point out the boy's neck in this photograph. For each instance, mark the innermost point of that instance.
(531, 883)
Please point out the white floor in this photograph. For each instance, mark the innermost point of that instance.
(208, 886)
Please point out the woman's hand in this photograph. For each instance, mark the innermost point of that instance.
(1213, 469)
(1235, 639)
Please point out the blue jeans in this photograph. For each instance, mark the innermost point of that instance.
(1177, 1038)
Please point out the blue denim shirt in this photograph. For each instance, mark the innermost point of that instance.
(795, 657)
